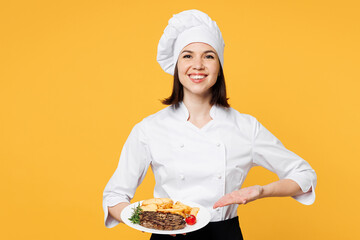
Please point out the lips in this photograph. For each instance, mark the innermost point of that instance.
(197, 78)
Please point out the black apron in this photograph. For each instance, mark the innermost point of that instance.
(223, 230)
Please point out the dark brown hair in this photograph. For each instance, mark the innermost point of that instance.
(218, 91)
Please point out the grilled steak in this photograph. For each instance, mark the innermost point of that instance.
(162, 221)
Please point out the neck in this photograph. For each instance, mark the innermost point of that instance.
(198, 107)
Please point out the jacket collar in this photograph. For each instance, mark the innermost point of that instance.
(183, 112)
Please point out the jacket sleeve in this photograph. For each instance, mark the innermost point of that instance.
(269, 152)
(130, 172)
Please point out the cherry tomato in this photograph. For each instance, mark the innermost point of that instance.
(191, 220)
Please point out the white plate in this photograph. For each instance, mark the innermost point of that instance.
(202, 219)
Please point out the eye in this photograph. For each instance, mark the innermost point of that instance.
(187, 56)
(209, 57)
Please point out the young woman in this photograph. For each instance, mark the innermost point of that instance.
(199, 148)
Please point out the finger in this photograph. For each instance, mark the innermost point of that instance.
(231, 198)
(224, 204)
(224, 201)
(218, 204)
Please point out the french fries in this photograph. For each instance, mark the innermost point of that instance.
(194, 211)
(150, 207)
(166, 205)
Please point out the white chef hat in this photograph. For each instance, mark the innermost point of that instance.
(185, 28)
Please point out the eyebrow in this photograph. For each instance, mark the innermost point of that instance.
(207, 51)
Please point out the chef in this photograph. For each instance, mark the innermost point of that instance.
(199, 148)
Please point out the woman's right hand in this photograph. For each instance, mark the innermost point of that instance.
(174, 235)
(115, 211)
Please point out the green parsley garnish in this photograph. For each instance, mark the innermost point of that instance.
(135, 217)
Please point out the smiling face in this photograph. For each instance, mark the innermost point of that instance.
(198, 69)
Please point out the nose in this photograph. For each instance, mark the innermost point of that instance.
(198, 63)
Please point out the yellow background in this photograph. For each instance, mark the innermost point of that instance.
(76, 76)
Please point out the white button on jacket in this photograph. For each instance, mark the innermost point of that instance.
(201, 165)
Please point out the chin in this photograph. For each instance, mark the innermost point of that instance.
(198, 92)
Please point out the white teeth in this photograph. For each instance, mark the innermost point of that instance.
(197, 76)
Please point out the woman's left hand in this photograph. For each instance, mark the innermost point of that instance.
(241, 196)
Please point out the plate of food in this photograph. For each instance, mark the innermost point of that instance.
(165, 216)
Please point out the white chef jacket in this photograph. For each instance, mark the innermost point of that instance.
(201, 165)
